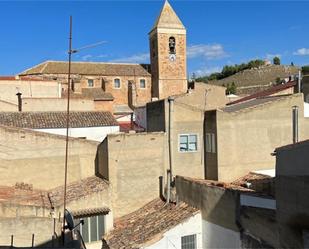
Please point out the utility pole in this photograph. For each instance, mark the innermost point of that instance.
(67, 131)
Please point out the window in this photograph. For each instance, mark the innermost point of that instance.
(187, 143)
(93, 228)
(142, 83)
(188, 242)
(210, 143)
(116, 83)
(90, 82)
(172, 45)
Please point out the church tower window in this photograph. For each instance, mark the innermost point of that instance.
(172, 45)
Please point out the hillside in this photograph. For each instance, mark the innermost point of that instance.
(256, 79)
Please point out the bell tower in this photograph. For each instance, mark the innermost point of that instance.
(168, 54)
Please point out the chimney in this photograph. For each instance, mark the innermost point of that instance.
(295, 123)
(19, 101)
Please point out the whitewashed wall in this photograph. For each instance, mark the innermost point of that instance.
(306, 110)
(215, 236)
(91, 133)
(172, 238)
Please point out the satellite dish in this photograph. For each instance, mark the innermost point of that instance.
(69, 220)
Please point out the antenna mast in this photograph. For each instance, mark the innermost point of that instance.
(67, 132)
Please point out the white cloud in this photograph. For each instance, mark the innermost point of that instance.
(207, 71)
(137, 58)
(86, 57)
(102, 56)
(210, 52)
(302, 51)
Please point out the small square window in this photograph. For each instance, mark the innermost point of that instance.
(188, 242)
(116, 83)
(142, 83)
(187, 143)
(90, 82)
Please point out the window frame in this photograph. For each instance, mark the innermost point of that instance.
(140, 83)
(188, 134)
(210, 142)
(186, 245)
(119, 83)
(92, 83)
(98, 236)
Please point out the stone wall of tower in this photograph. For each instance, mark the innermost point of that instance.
(168, 77)
(172, 74)
(153, 45)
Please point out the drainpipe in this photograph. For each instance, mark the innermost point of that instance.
(19, 101)
(295, 123)
(299, 81)
(170, 134)
(168, 191)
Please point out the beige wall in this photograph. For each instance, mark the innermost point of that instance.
(46, 89)
(107, 83)
(133, 166)
(38, 158)
(133, 163)
(217, 204)
(246, 139)
(23, 227)
(57, 104)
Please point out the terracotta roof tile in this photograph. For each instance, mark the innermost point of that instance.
(268, 92)
(40, 120)
(53, 197)
(147, 224)
(88, 68)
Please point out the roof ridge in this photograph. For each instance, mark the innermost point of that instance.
(99, 62)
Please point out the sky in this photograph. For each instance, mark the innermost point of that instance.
(218, 32)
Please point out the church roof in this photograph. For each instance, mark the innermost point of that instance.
(168, 18)
(88, 68)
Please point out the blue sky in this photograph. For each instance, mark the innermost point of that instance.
(218, 32)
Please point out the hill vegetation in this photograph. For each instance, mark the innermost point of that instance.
(231, 70)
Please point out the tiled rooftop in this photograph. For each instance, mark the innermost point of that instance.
(251, 103)
(40, 120)
(268, 92)
(147, 224)
(23, 194)
(87, 68)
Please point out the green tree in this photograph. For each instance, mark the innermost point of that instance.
(231, 89)
(276, 60)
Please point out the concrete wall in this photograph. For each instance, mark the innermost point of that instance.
(292, 186)
(23, 228)
(41, 89)
(219, 208)
(172, 238)
(37, 158)
(246, 139)
(132, 163)
(57, 104)
(90, 133)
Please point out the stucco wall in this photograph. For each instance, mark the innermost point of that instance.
(46, 89)
(133, 166)
(56, 104)
(38, 158)
(23, 228)
(219, 208)
(246, 139)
